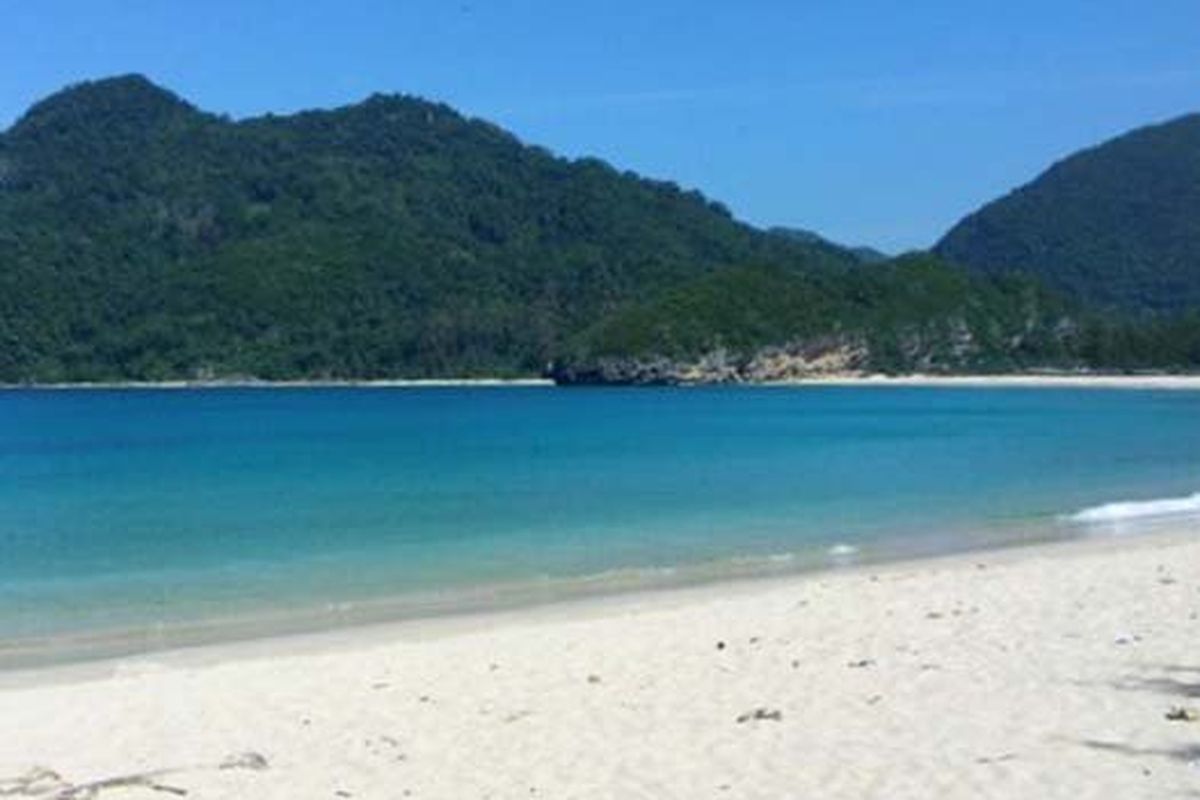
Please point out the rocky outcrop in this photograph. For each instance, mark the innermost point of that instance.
(824, 357)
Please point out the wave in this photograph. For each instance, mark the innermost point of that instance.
(1139, 509)
(842, 551)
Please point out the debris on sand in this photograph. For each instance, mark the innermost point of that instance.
(774, 715)
(46, 783)
(37, 781)
(1000, 759)
(1183, 714)
(248, 760)
(43, 782)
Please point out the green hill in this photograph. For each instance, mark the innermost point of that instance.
(143, 238)
(1117, 225)
(761, 323)
(865, 254)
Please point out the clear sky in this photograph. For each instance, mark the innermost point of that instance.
(871, 122)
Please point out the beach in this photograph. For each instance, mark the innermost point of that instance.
(1048, 671)
(1025, 380)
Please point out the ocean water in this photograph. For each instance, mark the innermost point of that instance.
(137, 518)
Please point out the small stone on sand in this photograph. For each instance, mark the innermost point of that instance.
(761, 714)
(1183, 714)
(248, 760)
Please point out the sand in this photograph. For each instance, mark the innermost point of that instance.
(1013, 381)
(1073, 380)
(1045, 672)
(255, 383)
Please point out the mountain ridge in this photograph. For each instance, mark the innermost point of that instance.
(1117, 224)
(389, 238)
(142, 238)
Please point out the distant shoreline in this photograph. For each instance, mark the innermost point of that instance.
(1015, 380)
(298, 384)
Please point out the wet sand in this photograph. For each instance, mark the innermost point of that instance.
(1058, 671)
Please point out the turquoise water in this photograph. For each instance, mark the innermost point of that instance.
(139, 510)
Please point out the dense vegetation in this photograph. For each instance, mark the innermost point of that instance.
(866, 255)
(1117, 225)
(141, 238)
(913, 313)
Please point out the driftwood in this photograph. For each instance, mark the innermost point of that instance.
(35, 782)
(41, 782)
(88, 791)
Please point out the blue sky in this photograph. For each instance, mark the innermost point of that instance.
(871, 122)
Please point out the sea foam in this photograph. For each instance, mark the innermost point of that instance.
(1139, 509)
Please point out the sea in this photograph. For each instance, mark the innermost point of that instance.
(139, 519)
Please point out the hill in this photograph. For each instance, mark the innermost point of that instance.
(143, 238)
(1116, 225)
(865, 254)
(913, 314)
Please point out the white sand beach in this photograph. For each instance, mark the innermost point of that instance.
(1014, 380)
(1046, 672)
(255, 383)
(1080, 380)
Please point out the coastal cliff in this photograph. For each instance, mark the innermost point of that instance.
(827, 357)
(762, 326)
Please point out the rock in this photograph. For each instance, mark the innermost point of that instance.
(816, 357)
(1183, 714)
(774, 715)
(248, 760)
(593, 679)
(996, 759)
(861, 663)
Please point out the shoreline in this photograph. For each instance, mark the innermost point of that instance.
(1048, 671)
(398, 383)
(151, 639)
(381, 619)
(850, 380)
(1021, 381)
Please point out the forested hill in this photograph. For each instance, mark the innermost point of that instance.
(1117, 225)
(143, 238)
